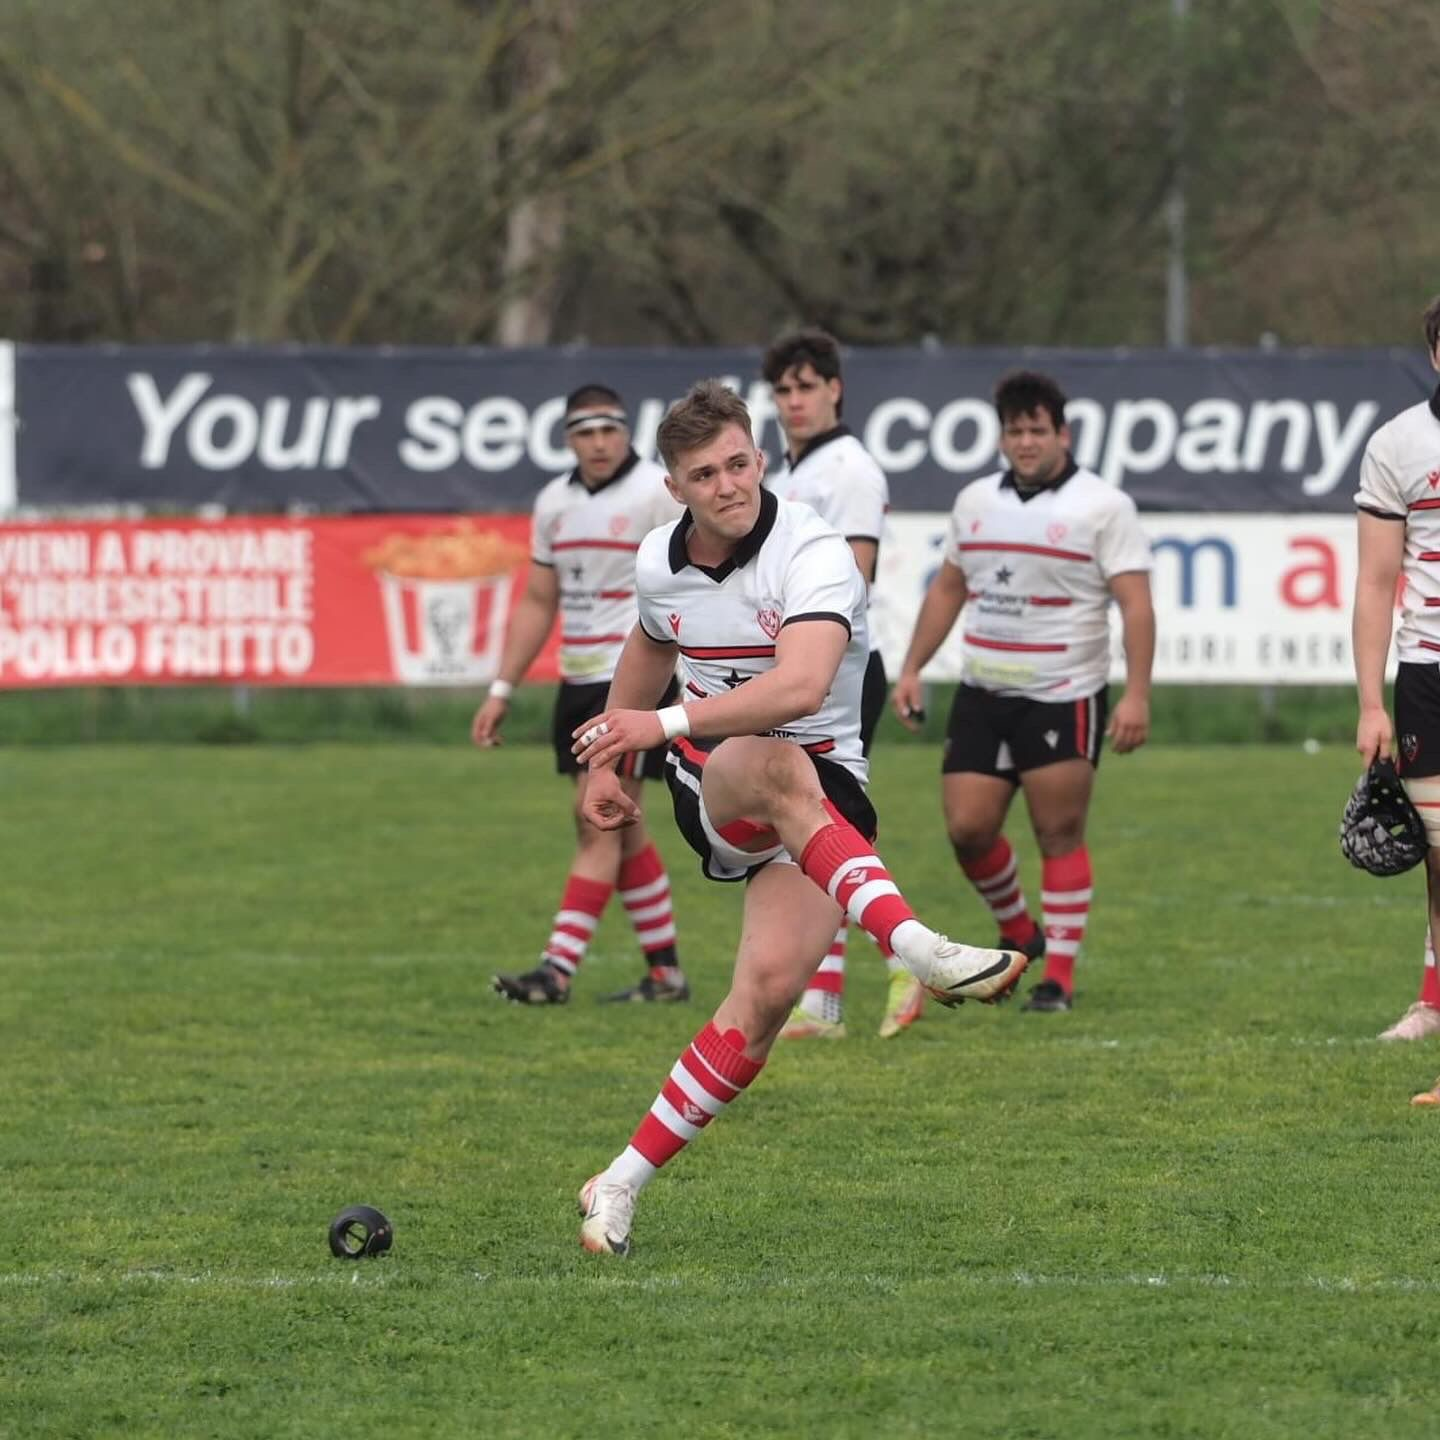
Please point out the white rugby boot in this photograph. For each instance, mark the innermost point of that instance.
(1419, 1022)
(609, 1211)
(953, 973)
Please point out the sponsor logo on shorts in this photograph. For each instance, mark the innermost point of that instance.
(1052, 738)
(1410, 747)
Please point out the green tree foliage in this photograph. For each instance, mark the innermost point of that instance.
(461, 171)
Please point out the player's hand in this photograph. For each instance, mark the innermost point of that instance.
(606, 805)
(1129, 726)
(606, 738)
(908, 698)
(485, 727)
(1375, 735)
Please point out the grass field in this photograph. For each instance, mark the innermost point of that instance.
(245, 987)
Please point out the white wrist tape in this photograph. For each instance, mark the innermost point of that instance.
(501, 689)
(674, 721)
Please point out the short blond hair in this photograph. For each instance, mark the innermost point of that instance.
(706, 409)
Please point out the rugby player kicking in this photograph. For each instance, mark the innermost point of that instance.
(766, 608)
(827, 468)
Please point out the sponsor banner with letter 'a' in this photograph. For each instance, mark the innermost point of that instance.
(1239, 599)
(373, 600)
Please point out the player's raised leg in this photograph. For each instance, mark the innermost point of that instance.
(787, 927)
(756, 781)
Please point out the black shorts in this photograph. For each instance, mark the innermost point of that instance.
(1006, 735)
(872, 699)
(1417, 720)
(683, 774)
(574, 705)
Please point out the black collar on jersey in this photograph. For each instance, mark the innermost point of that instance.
(630, 461)
(814, 443)
(1026, 492)
(1435, 403)
(742, 554)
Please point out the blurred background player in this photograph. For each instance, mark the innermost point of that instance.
(827, 468)
(587, 528)
(1034, 555)
(1398, 525)
(767, 611)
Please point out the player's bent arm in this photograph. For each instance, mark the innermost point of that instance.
(530, 626)
(807, 656)
(944, 599)
(643, 672)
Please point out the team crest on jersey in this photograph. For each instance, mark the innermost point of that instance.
(1409, 747)
(769, 621)
(1434, 478)
(619, 524)
(674, 620)
(1055, 533)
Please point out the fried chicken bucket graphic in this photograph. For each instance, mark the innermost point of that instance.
(446, 600)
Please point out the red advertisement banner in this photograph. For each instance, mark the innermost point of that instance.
(356, 600)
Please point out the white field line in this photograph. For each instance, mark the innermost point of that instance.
(829, 1282)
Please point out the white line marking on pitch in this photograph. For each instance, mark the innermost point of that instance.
(1000, 1280)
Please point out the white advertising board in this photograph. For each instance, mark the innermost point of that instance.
(1239, 599)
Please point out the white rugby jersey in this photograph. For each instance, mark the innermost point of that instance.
(590, 538)
(1400, 480)
(838, 478)
(725, 620)
(1036, 568)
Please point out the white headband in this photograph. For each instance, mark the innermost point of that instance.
(596, 420)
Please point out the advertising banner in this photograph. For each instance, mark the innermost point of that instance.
(375, 600)
(425, 600)
(266, 430)
(1239, 599)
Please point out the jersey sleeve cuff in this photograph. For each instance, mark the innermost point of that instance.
(1379, 514)
(819, 615)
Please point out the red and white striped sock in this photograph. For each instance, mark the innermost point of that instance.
(1429, 980)
(824, 995)
(1066, 890)
(846, 867)
(581, 907)
(996, 875)
(709, 1074)
(645, 890)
